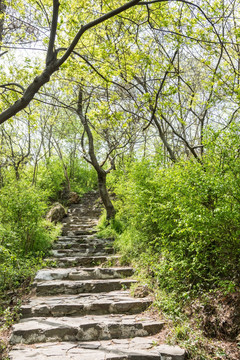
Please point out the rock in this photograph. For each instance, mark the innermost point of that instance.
(73, 198)
(85, 328)
(53, 287)
(56, 213)
(115, 302)
(117, 349)
(142, 291)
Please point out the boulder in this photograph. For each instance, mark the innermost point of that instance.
(56, 213)
(73, 198)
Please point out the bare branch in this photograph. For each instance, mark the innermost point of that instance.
(159, 91)
(50, 53)
(5, 52)
(12, 84)
(183, 139)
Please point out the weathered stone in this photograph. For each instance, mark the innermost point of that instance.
(73, 198)
(171, 352)
(117, 349)
(89, 251)
(47, 288)
(116, 302)
(84, 245)
(36, 330)
(83, 273)
(83, 260)
(76, 232)
(56, 213)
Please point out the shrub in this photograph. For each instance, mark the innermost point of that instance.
(25, 236)
(51, 178)
(84, 177)
(186, 214)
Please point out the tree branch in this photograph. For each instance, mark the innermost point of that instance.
(12, 84)
(50, 53)
(159, 91)
(94, 23)
(53, 66)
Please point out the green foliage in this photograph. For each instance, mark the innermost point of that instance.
(187, 215)
(52, 180)
(25, 236)
(83, 177)
(21, 208)
(15, 270)
(109, 229)
(51, 177)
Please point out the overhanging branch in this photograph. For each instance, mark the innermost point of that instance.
(54, 64)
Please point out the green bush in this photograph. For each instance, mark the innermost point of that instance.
(187, 214)
(23, 228)
(25, 236)
(84, 177)
(51, 178)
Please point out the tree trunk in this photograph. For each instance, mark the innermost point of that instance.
(102, 174)
(102, 186)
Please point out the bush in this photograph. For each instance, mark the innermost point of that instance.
(84, 178)
(23, 228)
(51, 178)
(25, 236)
(187, 214)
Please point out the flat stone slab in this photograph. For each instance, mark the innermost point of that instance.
(70, 232)
(53, 287)
(81, 238)
(116, 302)
(84, 239)
(122, 349)
(83, 273)
(79, 224)
(82, 244)
(88, 251)
(83, 260)
(85, 328)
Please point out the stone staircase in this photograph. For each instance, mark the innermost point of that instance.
(82, 309)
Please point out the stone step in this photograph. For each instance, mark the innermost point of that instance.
(85, 328)
(83, 219)
(83, 260)
(78, 224)
(74, 223)
(78, 232)
(89, 251)
(84, 239)
(116, 302)
(116, 349)
(82, 245)
(83, 273)
(69, 287)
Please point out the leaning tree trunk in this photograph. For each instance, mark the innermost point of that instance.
(104, 194)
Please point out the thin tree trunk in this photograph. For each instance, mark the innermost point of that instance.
(102, 174)
(102, 186)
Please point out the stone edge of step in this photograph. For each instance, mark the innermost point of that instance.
(155, 352)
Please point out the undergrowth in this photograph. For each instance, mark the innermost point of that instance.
(179, 225)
